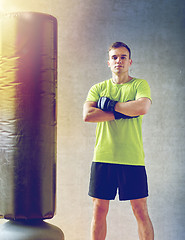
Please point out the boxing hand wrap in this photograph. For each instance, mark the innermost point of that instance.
(106, 104)
(119, 115)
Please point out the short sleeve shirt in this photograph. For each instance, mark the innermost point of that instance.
(120, 141)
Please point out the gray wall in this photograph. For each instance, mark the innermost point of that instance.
(155, 31)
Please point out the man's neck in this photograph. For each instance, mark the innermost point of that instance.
(120, 79)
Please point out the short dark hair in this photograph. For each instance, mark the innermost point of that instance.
(118, 45)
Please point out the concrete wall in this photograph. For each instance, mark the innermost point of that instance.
(155, 31)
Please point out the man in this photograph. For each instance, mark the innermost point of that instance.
(117, 106)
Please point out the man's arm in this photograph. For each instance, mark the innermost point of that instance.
(134, 108)
(93, 114)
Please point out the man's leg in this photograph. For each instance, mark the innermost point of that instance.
(145, 227)
(99, 225)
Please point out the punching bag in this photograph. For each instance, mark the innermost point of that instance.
(28, 82)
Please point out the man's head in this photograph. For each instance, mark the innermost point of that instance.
(119, 45)
(119, 58)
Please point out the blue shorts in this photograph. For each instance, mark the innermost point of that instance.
(106, 179)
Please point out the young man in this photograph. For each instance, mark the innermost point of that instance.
(117, 106)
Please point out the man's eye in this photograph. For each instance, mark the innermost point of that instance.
(114, 57)
(123, 57)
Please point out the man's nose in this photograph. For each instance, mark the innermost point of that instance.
(118, 60)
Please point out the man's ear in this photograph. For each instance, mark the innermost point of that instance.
(108, 63)
(130, 62)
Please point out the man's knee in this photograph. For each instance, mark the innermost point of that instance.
(140, 210)
(101, 208)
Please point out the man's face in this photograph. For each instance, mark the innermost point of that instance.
(119, 61)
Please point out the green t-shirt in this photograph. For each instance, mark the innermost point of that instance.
(120, 141)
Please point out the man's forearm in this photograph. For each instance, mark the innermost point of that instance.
(134, 108)
(96, 115)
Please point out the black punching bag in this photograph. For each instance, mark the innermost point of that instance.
(28, 78)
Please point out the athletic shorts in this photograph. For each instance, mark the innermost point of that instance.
(106, 179)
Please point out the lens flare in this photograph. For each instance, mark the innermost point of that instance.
(8, 6)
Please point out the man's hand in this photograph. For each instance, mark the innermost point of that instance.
(106, 104)
(118, 115)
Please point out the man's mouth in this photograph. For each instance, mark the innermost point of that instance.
(118, 66)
